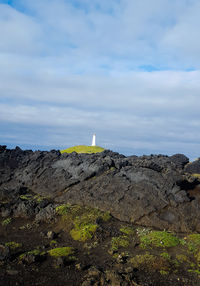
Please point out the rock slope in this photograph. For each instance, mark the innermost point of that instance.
(156, 191)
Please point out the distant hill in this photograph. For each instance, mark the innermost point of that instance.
(83, 149)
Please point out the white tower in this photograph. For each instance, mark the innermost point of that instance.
(94, 140)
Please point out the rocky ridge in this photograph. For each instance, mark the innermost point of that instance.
(156, 190)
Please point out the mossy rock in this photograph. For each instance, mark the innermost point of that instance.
(13, 245)
(27, 197)
(150, 262)
(82, 220)
(127, 230)
(32, 253)
(83, 149)
(61, 251)
(83, 232)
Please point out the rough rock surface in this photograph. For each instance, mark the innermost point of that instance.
(193, 167)
(153, 190)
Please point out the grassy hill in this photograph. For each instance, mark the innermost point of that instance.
(83, 149)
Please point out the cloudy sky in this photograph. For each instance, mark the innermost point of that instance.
(127, 70)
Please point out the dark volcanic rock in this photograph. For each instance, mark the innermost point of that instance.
(180, 160)
(193, 167)
(148, 190)
(46, 214)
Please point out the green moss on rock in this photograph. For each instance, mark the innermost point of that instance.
(150, 262)
(162, 239)
(120, 241)
(83, 232)
(127, 230)
(193, 242)
(82, 220)
(13, 244)
(61, 251)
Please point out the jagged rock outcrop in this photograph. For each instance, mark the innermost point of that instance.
(154, 190)
(193, 167)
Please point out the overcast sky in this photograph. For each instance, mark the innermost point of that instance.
(127, 70)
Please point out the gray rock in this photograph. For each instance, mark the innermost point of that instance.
(48, 213)
(193, 167)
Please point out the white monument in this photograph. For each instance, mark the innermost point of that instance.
(94, 140)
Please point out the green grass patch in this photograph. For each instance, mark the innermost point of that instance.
(83, 149)
(162, 239)
(61, 251)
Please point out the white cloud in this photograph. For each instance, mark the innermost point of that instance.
(76, 65)
(18, 33)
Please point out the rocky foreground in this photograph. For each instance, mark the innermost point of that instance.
(98, 219)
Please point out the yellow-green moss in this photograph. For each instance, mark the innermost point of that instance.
(150, 262)
(53, 242)
(196, 271)
(82, 220)
(39, 198)
(162, 239)
(6, 221)
(193, 242)
(182, 258)
(35, 252)
(13, 244)
(61, 251)
(26, 197)
(197, 256)
(63, 209)
(165, 255)
(119, 241)
(196, 176)
(164, 272)
(83, 232)
(105, 216)
(127, 230)
(83, 149)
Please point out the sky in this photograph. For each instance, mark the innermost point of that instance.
(127, 70)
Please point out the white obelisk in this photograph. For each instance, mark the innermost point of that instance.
(94, 140)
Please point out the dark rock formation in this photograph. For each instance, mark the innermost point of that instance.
(148, 190)
(193, 167)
